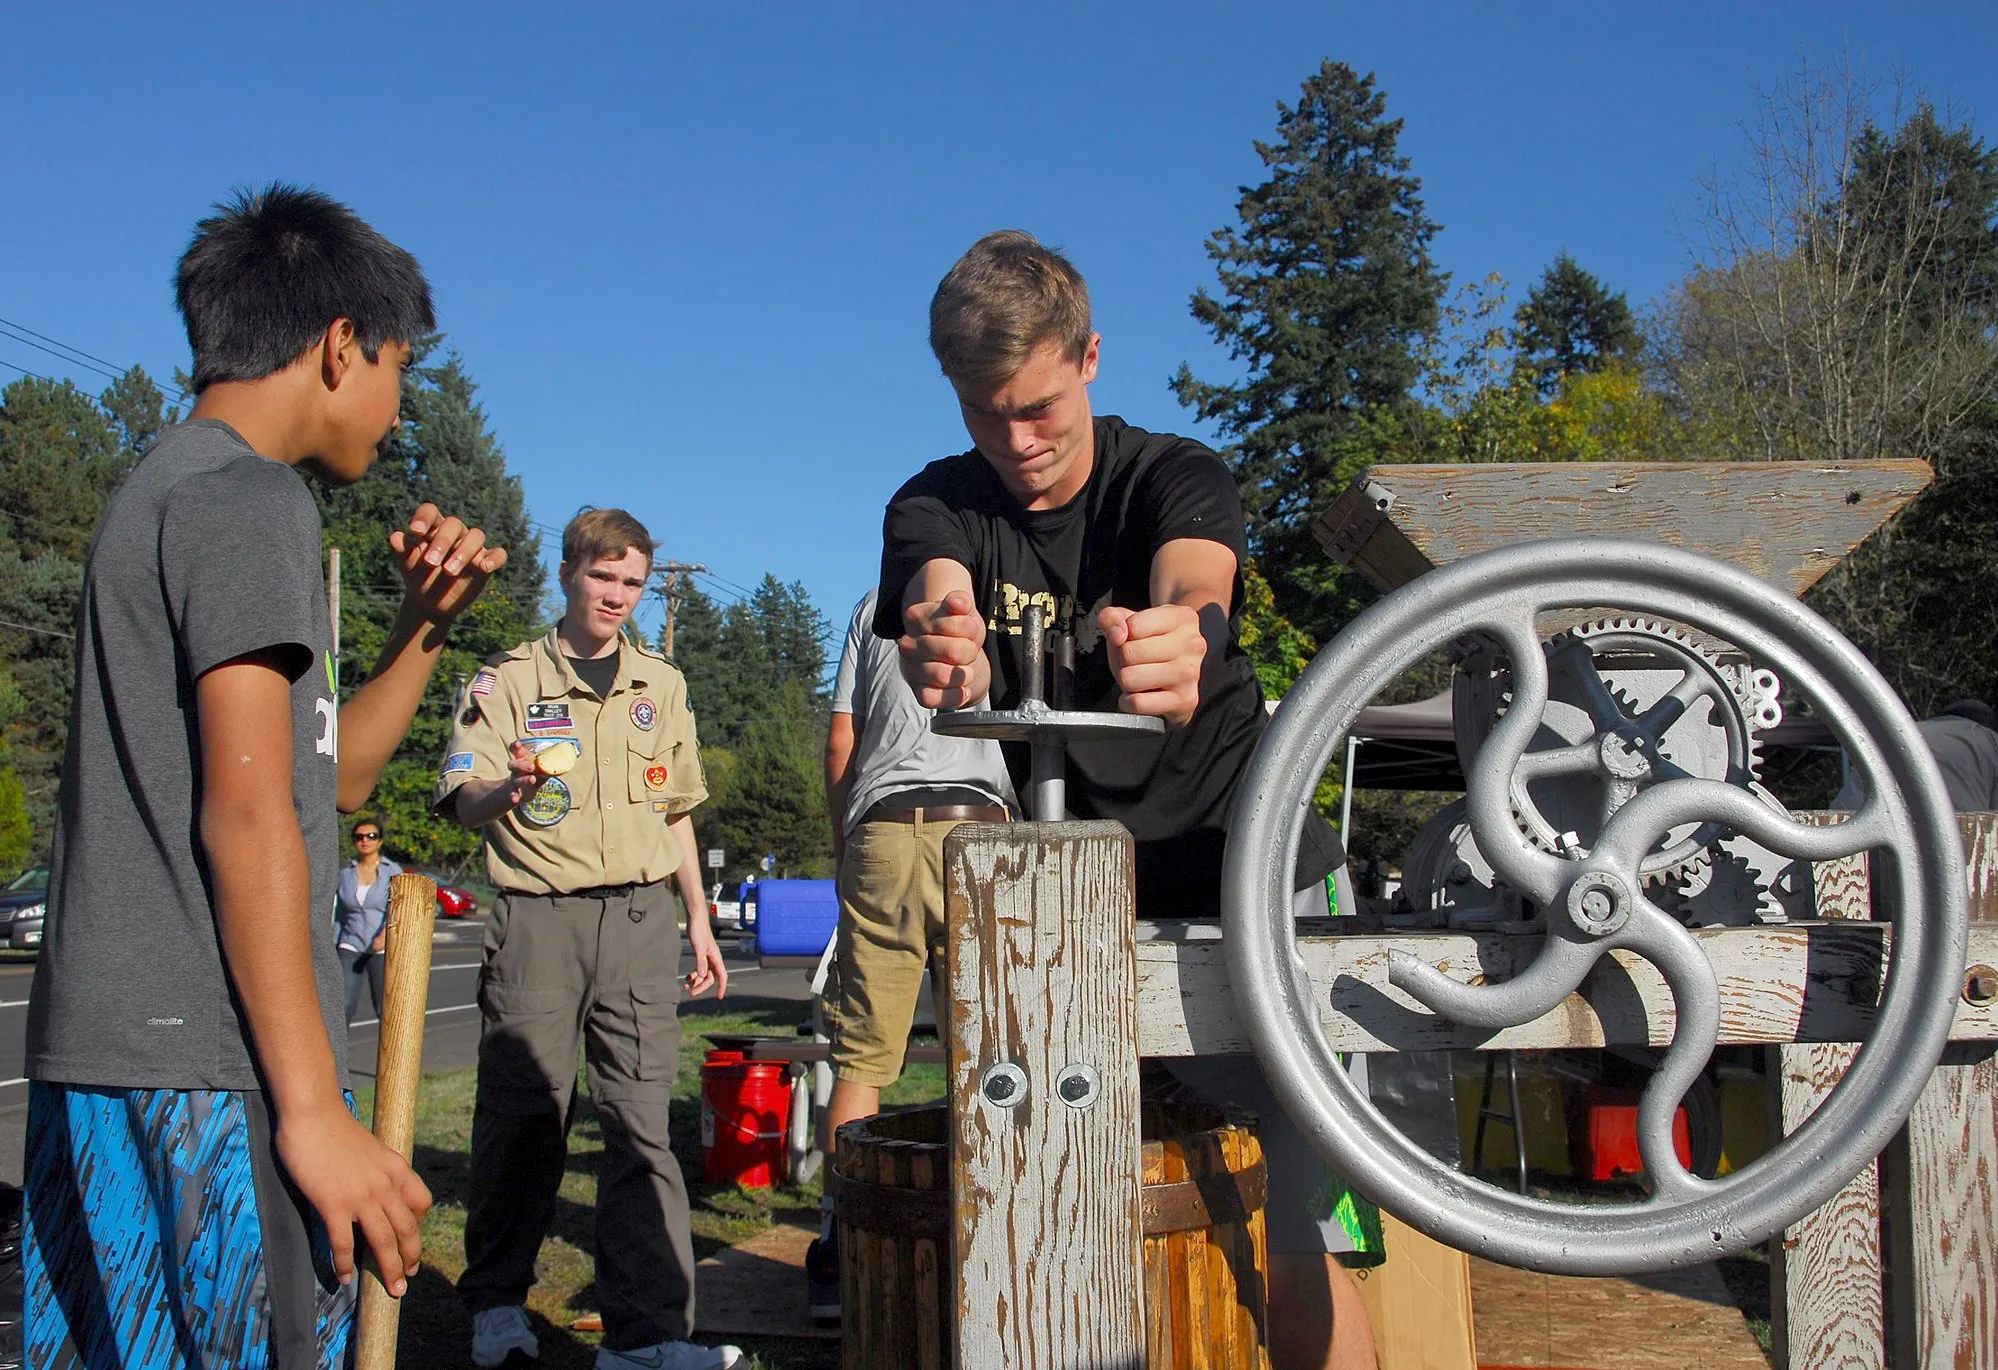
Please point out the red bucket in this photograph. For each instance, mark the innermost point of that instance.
(745, 1110)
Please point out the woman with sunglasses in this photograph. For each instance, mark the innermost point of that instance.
(361, 915)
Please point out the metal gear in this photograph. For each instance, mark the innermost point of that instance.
(1623, 712)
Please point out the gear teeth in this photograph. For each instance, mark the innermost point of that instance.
(1732, 695)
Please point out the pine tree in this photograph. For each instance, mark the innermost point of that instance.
(60, 459)
(1572, 324)
(776, 801)
(1328, 295)
(17, 829)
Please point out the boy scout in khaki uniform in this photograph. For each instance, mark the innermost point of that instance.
(576, 755)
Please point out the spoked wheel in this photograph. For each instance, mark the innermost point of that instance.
(1595, 901)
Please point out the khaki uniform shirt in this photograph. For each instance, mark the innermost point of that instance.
(604, 822)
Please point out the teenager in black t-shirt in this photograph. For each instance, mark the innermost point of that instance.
(1134, 541)
(1135, 544)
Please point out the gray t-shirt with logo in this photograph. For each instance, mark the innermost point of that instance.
(895, 749)
(208, 552)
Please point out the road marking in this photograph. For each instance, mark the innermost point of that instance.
(455, 965)
(376, 1022)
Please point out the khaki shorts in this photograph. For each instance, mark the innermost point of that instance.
(891, 897)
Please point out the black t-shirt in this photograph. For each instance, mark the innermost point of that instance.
(597, 672)
(1173, 791)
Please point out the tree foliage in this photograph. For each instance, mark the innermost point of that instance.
(17, 833)
(1571, 324)
(1844, 308)
(775, 801)
(739, 657)
(1846, 312)
(445, 452)
(62, 453)
(1488, 395)
(756, 671)
(1328, 295)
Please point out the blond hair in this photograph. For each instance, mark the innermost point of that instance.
(609, 533)
(1006, 297)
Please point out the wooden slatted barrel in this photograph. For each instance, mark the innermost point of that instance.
(1205, 1247)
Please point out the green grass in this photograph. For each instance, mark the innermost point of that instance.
(436, 1331)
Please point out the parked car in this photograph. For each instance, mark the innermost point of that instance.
(24, 907)
(732, 906)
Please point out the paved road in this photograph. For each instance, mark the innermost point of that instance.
(451, 1031)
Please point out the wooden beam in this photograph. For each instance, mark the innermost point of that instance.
(1825, 1277)
(1940, 1178)
(1788, 522)
(1046, 1234)
(1809, 982)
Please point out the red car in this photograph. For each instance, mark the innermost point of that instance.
(453, 902)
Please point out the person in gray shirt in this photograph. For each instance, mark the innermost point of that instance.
(894, 789)
(195, 1175)
(1963, 738)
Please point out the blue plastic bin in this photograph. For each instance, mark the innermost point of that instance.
(795, 917)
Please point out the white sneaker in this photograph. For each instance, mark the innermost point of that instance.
(670, 1355)
(501, 1336)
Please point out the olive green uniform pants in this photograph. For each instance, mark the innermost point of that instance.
(597, 971)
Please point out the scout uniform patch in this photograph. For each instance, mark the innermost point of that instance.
(483, 682)
(643, 714)
(549, 716)
(655, 777)
(457, 761)
(548, 805)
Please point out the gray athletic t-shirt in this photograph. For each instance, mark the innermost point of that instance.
(895, 749)
(208, 552)
(1966, 753)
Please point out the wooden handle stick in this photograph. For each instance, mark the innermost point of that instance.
(405, 999)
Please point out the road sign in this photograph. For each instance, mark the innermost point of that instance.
(714, 858)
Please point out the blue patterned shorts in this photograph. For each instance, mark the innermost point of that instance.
(158, 1231)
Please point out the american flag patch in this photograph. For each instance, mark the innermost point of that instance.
(483, 682)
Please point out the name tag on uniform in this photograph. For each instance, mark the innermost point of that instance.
(549, 716)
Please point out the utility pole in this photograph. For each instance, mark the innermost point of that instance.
(672, 571)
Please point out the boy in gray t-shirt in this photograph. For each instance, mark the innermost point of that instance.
(195, 1177)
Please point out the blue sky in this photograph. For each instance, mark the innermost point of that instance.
(688, 255)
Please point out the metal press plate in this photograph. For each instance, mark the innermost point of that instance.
(1044, 725)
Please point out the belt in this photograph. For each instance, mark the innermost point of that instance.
(887, 812)
(599, 892)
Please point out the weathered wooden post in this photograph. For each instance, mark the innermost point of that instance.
(1045, 1235)
(1043, 1067)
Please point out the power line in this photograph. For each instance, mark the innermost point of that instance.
(730, 586)
(87, 366)
(78, 356)
(32, 375)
